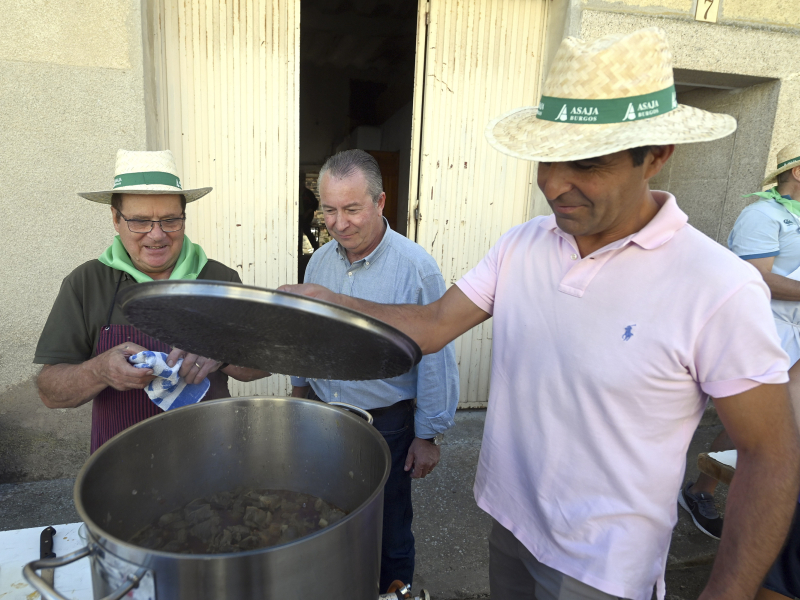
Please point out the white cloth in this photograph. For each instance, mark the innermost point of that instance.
(168, 390)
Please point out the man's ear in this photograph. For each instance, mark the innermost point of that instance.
(656, 159)
(115, 219)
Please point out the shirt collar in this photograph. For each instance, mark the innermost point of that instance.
(372, 256)
(668, 220)
(661, 228)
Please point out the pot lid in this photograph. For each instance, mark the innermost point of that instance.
(266, 329)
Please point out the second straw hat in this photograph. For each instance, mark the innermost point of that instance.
(604, 96)
(145, 172)
(788, 158)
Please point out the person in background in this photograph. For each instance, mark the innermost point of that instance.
(308, 206)
(697, 497)
(609, 335)
(767, 235)
(86, 340)
(366, 259)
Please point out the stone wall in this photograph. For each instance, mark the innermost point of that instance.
(71, 94)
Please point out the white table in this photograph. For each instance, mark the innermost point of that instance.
(18, 547)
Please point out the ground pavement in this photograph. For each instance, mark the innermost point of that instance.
(451, 531)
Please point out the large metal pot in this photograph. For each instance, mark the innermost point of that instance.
(280, 443)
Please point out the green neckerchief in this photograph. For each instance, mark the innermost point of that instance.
(191, 261)
(793, 206)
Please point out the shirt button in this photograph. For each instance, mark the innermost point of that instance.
(335, 394)
(573, 256)
(350, 273)
(367, 263)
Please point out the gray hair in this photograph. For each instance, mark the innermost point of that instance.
(346, 163)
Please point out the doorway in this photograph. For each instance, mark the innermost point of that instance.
(357, 64)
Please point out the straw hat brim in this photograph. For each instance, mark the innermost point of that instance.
(773, 177)
(150, 190)
(520, 134)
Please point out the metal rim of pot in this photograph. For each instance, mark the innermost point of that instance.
(49, 593)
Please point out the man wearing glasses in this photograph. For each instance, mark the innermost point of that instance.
(86, 341)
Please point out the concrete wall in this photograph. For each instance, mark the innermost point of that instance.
(71, 94)
(759, 13)
(709, 179)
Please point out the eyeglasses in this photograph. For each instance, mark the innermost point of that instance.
(144, 226)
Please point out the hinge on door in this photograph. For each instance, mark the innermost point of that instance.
(417, 214)
(427, 13)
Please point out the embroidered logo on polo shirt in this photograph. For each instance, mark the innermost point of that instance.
(787, 221)
(628, 332)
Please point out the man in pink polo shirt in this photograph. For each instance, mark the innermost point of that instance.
(614, 320)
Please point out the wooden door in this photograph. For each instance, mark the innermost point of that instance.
(226, 81)
(475, 61)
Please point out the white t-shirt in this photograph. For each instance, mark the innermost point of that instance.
(600, 371)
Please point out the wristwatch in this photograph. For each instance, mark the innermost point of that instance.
(435, 440)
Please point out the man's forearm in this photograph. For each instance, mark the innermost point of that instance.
(411, 319)
(68, 386)
(244, 373)
(759, 509)
(782, 288)
(431, 326)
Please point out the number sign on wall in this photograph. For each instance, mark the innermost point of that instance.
(707, 10)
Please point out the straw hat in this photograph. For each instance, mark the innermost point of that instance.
(788, 158)
(604, 96)
(145, 173)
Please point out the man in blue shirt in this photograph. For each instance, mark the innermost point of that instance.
(767, 235)
(366, 259)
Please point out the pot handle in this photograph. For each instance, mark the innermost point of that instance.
(48, 593)
(359, 411)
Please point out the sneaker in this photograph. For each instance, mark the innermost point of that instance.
(701, 508)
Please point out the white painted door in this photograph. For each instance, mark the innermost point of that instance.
(226, 81)
(475, 60)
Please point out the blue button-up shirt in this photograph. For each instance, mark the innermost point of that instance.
(398, 271)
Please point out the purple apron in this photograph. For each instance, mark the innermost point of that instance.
(114, 411)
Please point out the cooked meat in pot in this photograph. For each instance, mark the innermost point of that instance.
(243, 519)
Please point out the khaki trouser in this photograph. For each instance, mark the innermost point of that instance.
(514, 574)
